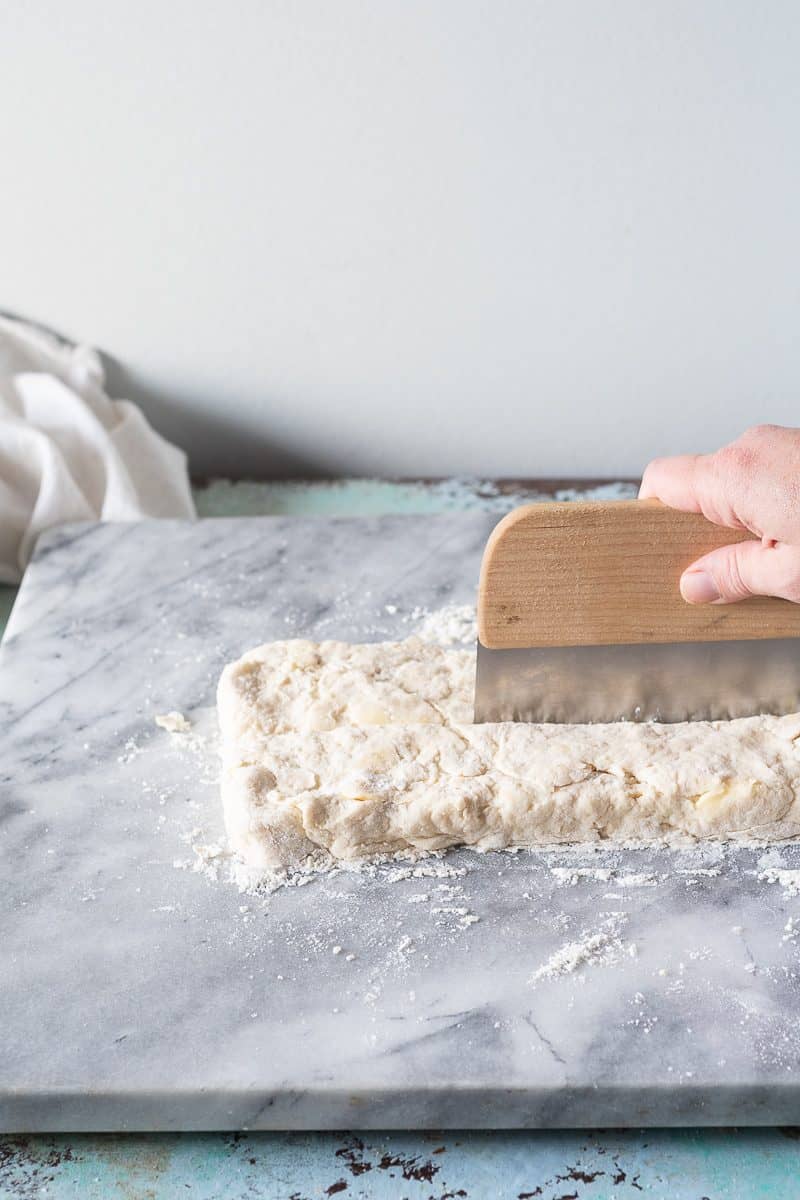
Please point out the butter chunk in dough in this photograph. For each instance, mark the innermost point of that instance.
(340, 751)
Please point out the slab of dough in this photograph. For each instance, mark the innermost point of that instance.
(342, 751)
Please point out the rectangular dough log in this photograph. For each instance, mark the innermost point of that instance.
(339, 751)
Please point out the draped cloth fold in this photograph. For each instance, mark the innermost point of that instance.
(68, 452)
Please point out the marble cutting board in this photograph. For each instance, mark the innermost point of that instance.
(595, 987)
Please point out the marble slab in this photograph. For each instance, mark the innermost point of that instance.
(596, 987)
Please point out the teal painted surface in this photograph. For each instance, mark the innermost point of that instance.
(370, 497)
(670, 1165)
(347, 497)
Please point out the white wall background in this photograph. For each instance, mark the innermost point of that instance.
(414, 236)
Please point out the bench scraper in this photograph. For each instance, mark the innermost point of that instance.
(580, 619)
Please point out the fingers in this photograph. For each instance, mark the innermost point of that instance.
(710, 484)
(673, 481)
(735, 572)
(752, 483)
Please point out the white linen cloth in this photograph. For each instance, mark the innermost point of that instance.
(70, 453)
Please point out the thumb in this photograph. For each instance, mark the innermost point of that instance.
(743, 569)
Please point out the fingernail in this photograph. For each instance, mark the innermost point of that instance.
(697, 587)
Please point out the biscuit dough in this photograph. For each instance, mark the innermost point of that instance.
(339, 751)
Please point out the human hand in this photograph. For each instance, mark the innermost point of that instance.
(753, 483)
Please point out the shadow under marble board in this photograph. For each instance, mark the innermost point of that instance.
(140, 989)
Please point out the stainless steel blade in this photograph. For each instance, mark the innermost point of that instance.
(676, 681)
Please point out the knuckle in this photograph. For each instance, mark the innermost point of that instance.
(760, 431)
(739, 456)
(788, 581)
(730, 576)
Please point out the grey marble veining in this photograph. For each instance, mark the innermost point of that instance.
(138, 994)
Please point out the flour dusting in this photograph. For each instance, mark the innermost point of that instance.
(453, 625)
(789, 880)
(601, 948)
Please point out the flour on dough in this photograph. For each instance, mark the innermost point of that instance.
(341, 751)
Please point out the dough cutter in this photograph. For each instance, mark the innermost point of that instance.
(580, 619)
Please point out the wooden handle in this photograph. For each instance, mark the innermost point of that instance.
(595, 573)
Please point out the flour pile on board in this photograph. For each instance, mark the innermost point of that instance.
(570, 876)
(789, 880)
(604, 947)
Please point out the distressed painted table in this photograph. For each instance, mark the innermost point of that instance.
(567, 1166)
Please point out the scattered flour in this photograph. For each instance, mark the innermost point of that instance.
(602, 948)
(789, 880)
(131, 750)
(466, 918)
(209, 858)
(257, 881)
(572, 875)
(434, 870)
